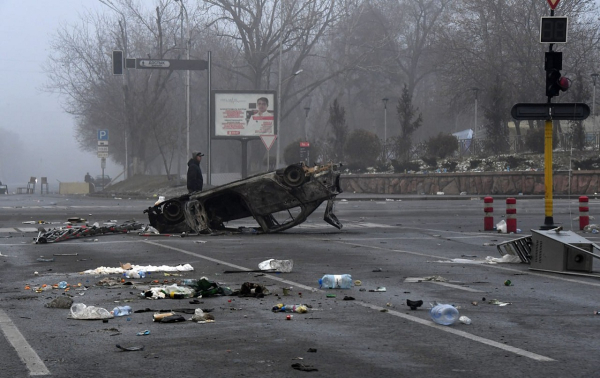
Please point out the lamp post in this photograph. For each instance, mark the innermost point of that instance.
(306, 110)
(385, 100)
(279, 110)
(109, 4)
(594, 77)
(187, 79)
(476, 90)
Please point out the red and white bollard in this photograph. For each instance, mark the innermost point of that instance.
(511, 215)
(584, 212)
(488, 217)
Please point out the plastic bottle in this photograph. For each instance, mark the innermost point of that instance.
(121, 311)
(179, 295)
(189, 281)
(336, 281)
(130, 274)
(444, 314)
(62, 285)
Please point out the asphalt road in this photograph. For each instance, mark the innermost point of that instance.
(548, 330)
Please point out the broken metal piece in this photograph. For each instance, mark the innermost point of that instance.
(297, 190)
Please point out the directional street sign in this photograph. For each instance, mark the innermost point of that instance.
(171, 64)
(149, 63)
(562, 111)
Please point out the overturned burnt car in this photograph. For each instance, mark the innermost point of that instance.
(297, 190)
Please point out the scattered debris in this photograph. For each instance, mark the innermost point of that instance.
(60, 302)
(145, 268)
(301, 367)
(69, 232)
(130, 349)
(498, 303)
(379, 289)
(83, 312)
(284, 266)
(143, 333)
(414, 304)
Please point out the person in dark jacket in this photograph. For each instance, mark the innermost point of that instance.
(194, 173)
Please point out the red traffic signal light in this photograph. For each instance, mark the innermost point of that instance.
(563, 83)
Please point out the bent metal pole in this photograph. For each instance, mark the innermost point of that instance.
(549, 219)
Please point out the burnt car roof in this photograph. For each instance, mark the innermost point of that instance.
(260, 196)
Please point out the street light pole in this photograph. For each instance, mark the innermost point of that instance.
(109, 4)
(385, 100)
(306, 109)
(594, 77)
(476, 90)
(187, 79)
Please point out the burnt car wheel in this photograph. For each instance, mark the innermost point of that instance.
(173, 212)
(294, 176)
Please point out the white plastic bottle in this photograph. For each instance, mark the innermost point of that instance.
(121, 311)
(336, 281)
(444, 314)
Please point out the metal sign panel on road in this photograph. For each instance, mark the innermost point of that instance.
(102, 154)
(102, 143)
(562, 111)
(553, 3)
(102, 148)
(102, 134)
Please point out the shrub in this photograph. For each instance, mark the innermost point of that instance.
(431, 161)
(474, 163)
(450, 165)
(535, 140)
(291, 153)
(401, 167)
(442, 145)
(362, 149)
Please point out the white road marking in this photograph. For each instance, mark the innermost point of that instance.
(29, 357)
(428, 323)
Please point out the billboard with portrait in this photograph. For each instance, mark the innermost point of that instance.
(243, 114)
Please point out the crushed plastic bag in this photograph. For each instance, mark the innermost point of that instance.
(501, 227)
(83, 312)
(284, 266)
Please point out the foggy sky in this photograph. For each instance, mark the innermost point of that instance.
(45, 130)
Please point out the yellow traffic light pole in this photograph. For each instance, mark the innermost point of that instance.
(548, 181)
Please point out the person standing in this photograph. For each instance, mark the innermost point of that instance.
(194, 173)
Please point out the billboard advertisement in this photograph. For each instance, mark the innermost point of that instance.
(243, 114)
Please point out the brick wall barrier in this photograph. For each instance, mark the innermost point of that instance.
(479, 183)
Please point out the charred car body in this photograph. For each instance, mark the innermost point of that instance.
(298, 190)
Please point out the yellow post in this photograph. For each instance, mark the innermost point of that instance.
(548, 221)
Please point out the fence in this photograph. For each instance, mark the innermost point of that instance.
(516, 144)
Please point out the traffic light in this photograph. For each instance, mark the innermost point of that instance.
(554, 80)
(117, 61)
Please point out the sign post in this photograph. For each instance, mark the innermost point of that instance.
(268, 141)
(102, 150)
